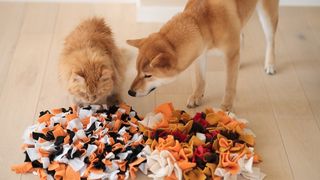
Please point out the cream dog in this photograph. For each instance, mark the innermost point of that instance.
(203, 25)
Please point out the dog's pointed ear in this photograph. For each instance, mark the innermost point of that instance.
(163, 60)
(135, 42)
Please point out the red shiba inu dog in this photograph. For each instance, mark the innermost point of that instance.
(203, 25)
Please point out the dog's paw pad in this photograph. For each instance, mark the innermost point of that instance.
(270, 70)
(194, 101)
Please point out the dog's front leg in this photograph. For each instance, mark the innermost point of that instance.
(232, 67)
(199, 83)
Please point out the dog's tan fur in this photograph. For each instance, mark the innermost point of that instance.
(202, 26)
(91, 66)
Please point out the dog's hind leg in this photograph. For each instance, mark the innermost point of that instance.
(200, 81)
(268, 11)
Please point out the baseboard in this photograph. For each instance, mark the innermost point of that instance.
(157, 12)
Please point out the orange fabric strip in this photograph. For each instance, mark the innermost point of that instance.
(22, 168)
(58, 131)
(71, 174)
(45, 118)
(71, 117)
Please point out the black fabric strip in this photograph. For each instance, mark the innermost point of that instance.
(212, 157)
(91, 128)
(85, 146)
(107, 148)
(50, 136)
(137, 117)
(114, 135)
(87, 108)
(42, 113)
(117, 151)
(52, 173)
(59, 140)
(124, 117)
(36, 164)
(203, 115)
(230, 135)
(77, 154)
(27, 159)
(200, 163)
(36, 136)
(71, 134)
(100, 111)
(59, 150)
(113, 109)
(86, 160)
(68, 155)
(197, 127)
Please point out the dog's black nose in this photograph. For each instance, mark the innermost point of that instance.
(132, 93)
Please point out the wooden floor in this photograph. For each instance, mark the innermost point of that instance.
(283, 110)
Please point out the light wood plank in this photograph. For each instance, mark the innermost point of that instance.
(305, 66)
(292, 109)
(305, 53)
(253, 103)
(22, 86)
(11, 17)
(212, 97)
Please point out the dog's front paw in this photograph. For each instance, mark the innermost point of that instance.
(194, 101)
(226, 107)
(270, 69)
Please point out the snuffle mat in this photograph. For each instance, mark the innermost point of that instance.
(100, 142)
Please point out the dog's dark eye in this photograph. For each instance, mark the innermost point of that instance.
(147, 76)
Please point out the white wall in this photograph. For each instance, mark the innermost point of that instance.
(300, 2)
(73, 1)
(282, 2)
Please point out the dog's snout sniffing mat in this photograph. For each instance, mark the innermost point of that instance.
(99, 142)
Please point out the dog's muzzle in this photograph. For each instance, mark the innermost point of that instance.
(135, 94)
